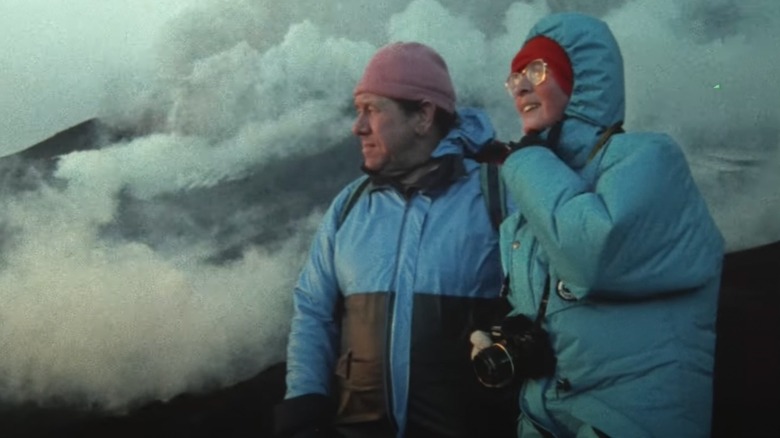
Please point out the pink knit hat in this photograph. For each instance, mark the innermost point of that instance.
(410, 71)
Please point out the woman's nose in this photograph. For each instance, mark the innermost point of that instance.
(524, 87)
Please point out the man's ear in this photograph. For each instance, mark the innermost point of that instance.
(425, 117)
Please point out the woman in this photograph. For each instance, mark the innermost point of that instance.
(611, 250)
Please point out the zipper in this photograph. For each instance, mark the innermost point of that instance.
(526, 264)
(536, 302)
(390, 323)
(389, 302)
(527, 412)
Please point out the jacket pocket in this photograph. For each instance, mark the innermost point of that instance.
(361, 395)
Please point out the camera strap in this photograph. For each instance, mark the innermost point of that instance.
(542, 304)
(617, 128)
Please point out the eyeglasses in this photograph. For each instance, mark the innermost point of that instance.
(535, 72)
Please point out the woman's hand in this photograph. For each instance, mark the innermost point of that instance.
(479, 341)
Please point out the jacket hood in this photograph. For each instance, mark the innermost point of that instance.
(598, 95)
(470, 134)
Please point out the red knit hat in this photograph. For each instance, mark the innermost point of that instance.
(555, 57)
(410, 71)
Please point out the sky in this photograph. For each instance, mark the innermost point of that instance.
(107, 300)
(58, 56)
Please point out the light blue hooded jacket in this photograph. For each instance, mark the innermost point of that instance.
(633, 257)
(387, 299)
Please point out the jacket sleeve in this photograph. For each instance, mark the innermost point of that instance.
(313, 341)
(640, 228)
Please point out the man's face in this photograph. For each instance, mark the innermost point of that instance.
(387, 134)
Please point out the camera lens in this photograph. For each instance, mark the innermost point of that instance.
(493, 366)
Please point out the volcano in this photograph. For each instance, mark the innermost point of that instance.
(747, 355)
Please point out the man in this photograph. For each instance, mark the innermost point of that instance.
(400, 270)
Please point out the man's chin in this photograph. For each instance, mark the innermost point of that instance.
(372, 166)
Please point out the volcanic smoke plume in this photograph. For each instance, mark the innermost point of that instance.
(162, 260)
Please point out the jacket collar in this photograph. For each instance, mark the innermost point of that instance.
(430, 177)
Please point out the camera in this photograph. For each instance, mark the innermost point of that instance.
(521, 350)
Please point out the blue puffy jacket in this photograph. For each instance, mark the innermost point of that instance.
(387, 299)
(633, 258)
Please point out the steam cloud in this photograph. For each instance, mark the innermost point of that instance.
(164, 263)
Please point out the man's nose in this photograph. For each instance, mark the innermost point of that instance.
(360, 125)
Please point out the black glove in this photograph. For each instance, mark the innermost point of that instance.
(494, 152)
(533, 138)
(532, 345)
(305, 416)
(530, 139)
(497, 151)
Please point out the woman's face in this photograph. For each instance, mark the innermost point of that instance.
(541, 105)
